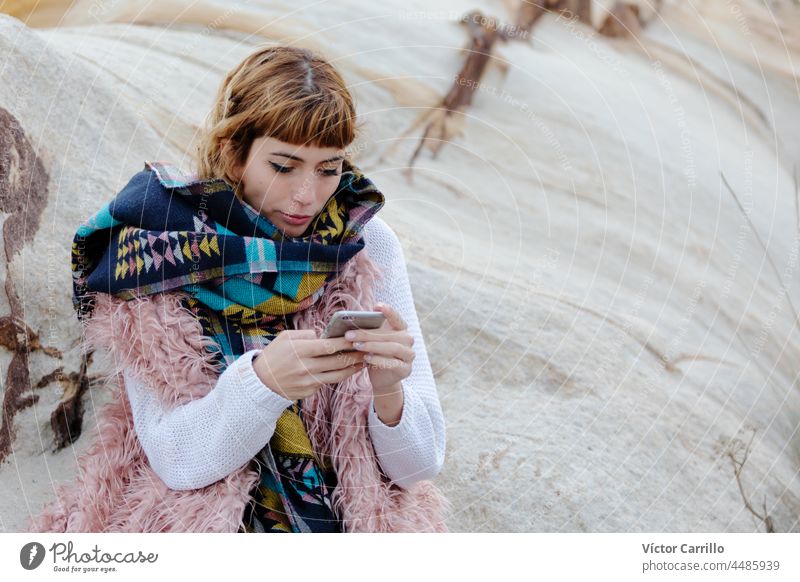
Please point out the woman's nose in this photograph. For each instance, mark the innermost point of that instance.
(311, 184)
(305, 193)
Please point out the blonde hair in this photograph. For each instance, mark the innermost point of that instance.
(284, 92)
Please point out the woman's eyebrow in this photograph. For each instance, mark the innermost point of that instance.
(333, 159)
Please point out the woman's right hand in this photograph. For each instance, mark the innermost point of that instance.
(296, 364)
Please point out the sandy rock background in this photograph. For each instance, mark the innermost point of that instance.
(604, 325)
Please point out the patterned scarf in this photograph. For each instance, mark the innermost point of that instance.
(166, 231)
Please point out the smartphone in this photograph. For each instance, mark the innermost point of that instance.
(344, 320)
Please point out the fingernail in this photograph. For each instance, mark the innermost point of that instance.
(350, 335)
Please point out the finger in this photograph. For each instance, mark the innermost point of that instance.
(383, 333)
(401, 337)
(340, 361)
(301, 341)
(329, 346)
(333, 376)
(393, 350)
(392, 316)
(321, 364)
(384, 363)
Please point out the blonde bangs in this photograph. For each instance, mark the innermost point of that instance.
(308, 121)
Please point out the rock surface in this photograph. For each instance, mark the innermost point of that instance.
(603, 323)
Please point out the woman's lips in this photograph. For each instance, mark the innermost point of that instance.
(295, 219)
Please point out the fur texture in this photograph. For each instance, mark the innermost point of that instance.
(116, 490)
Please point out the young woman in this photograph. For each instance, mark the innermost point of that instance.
(209, 291)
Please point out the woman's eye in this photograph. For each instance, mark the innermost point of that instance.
(287, 169)
(281, 169)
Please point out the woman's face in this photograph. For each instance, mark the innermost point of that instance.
(280, 179)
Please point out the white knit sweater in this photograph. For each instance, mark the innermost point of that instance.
(203, 441)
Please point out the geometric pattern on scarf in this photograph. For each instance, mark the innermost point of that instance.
(299, 500)
(243, 276)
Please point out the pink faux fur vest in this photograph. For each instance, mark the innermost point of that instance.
(116, 490)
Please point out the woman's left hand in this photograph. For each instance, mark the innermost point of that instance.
(389, 347)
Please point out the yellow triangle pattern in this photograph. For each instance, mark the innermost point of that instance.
(335, 211)
(247, 315)
(208, 244)
(290, 435)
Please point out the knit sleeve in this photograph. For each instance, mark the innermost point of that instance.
(414, 449)
(205, 440)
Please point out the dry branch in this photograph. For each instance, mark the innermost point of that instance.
(445, 120)
(738, 466)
